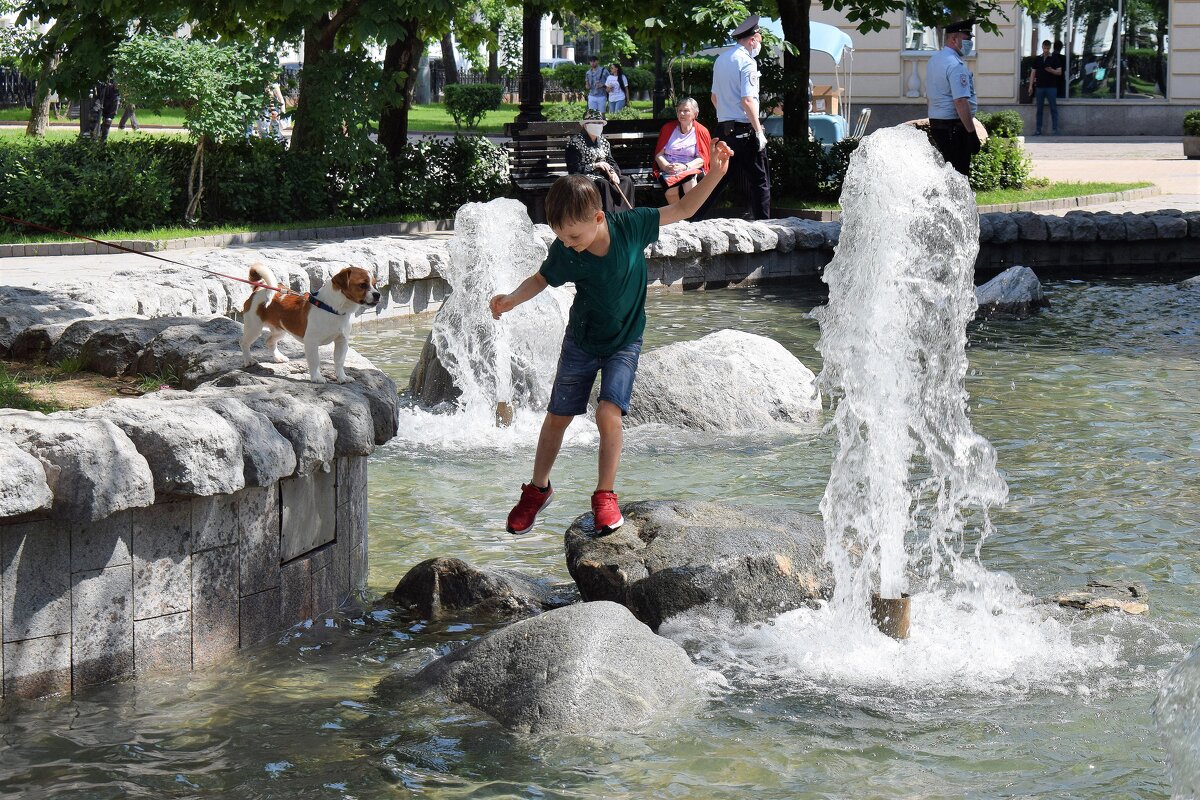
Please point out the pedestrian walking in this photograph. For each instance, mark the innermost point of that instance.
(1044, 75)
(735, 95)
(593, 79)
(952, 101)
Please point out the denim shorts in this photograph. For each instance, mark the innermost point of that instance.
(577, 372)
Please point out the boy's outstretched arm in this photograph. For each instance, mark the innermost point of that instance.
(529, 289)
(690, 203)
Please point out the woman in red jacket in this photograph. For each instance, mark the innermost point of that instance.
(681, 155)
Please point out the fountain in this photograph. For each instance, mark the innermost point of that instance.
(893, 338)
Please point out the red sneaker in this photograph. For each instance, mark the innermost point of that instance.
(606, 512)
(533, 501)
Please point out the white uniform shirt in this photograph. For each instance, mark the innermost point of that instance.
(947, 79)
(735, 75)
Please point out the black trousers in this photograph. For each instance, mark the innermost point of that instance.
(610, 198)
(748, 168)
(954, 143)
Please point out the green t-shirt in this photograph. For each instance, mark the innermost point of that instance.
(609, 310)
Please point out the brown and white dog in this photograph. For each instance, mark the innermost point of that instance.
(314, 319)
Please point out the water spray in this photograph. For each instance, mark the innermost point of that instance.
(893, 339)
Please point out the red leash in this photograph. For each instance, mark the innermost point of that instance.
(125, 249)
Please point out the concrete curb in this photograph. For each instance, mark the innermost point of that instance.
(226, 239)
(1080, 201)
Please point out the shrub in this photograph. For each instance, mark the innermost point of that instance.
(1191, 123)
(804, 169)
(564, 112)
(569, 76)
(468, 102)
(640, 79)
(1001, 164)
(1005, 124)
(436, 176)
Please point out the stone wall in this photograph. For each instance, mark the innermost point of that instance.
(177, 585)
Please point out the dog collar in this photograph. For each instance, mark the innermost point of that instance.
(312, 298)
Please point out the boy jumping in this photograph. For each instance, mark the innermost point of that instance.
(603, 256)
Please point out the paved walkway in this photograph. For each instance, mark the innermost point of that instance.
(1159, 160)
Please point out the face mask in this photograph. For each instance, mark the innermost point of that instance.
(593, 129)
(754, 51)
(967, 47)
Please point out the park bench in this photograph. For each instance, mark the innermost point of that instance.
(538, 157)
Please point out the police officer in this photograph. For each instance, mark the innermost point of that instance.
(952, 103)
(735, 95)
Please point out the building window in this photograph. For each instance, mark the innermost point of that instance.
(1117, 51)
(918, 36)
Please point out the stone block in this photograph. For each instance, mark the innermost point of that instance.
(1109, 227)
(325, 594)
(1138, 228)
(162, 566)
(260, 619)
(102, 625)
(1167, 226)
(163, 644)
(215, 522)
(309, 513)
(215, 607)
(35, 580)
(1058, 229)
(258, 510)
(101, 544)
(37, 667)
(295, 592)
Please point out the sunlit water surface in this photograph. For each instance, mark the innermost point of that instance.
(1092, 408)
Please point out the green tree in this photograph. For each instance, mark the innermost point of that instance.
(219, 86)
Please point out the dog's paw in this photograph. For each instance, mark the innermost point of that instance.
(317, 378)
(344, 379)
(280, 358)
(246, 362)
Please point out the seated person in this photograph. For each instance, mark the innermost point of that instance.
(681, 155)
(589, 154)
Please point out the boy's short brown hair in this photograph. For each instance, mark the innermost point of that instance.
(571, 199)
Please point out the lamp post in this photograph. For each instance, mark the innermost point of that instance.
(531, 72)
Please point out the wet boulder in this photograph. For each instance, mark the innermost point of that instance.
(450, 587)
(581, 669)
(725, 381)
(430, 382)
(1015, 293)
(1129, 598)
(675, 556)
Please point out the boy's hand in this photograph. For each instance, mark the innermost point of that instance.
(499, 304)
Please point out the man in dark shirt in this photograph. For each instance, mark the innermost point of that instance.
(1043, 77)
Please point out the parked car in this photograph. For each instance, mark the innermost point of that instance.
(554, 62)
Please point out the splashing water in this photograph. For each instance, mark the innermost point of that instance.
(510, 360)
(893, 337)
(1177, 717)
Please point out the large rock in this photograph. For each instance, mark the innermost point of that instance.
(749, 382)
(675, 556)
(91, 466)
(582, 669)
(1015, 293)
(113, 348)
(449, 587)
(191, 449)
(430, 382)
(23, 486)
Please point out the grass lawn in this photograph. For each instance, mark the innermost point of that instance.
(1051, 191)
(156, 234)
(57, 132)
(171, 117)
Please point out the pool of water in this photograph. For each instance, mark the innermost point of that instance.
(1092, 409)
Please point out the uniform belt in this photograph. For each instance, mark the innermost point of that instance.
(729, 126)
(945, 123)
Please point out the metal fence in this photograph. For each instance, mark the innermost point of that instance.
(15, 88)
(437, 80)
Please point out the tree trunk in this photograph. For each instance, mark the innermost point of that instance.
(531, 67)
(39, 117)
(401, 56)
(793, 17)
(195, 193)
(320, 36)
(449, 62)
(493, 74)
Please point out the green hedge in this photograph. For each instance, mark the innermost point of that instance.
(468, 102)
(1005, 124)
(1191, 123)
(805, 169)
(140, 183)
(1001, 164)
(570, 112)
